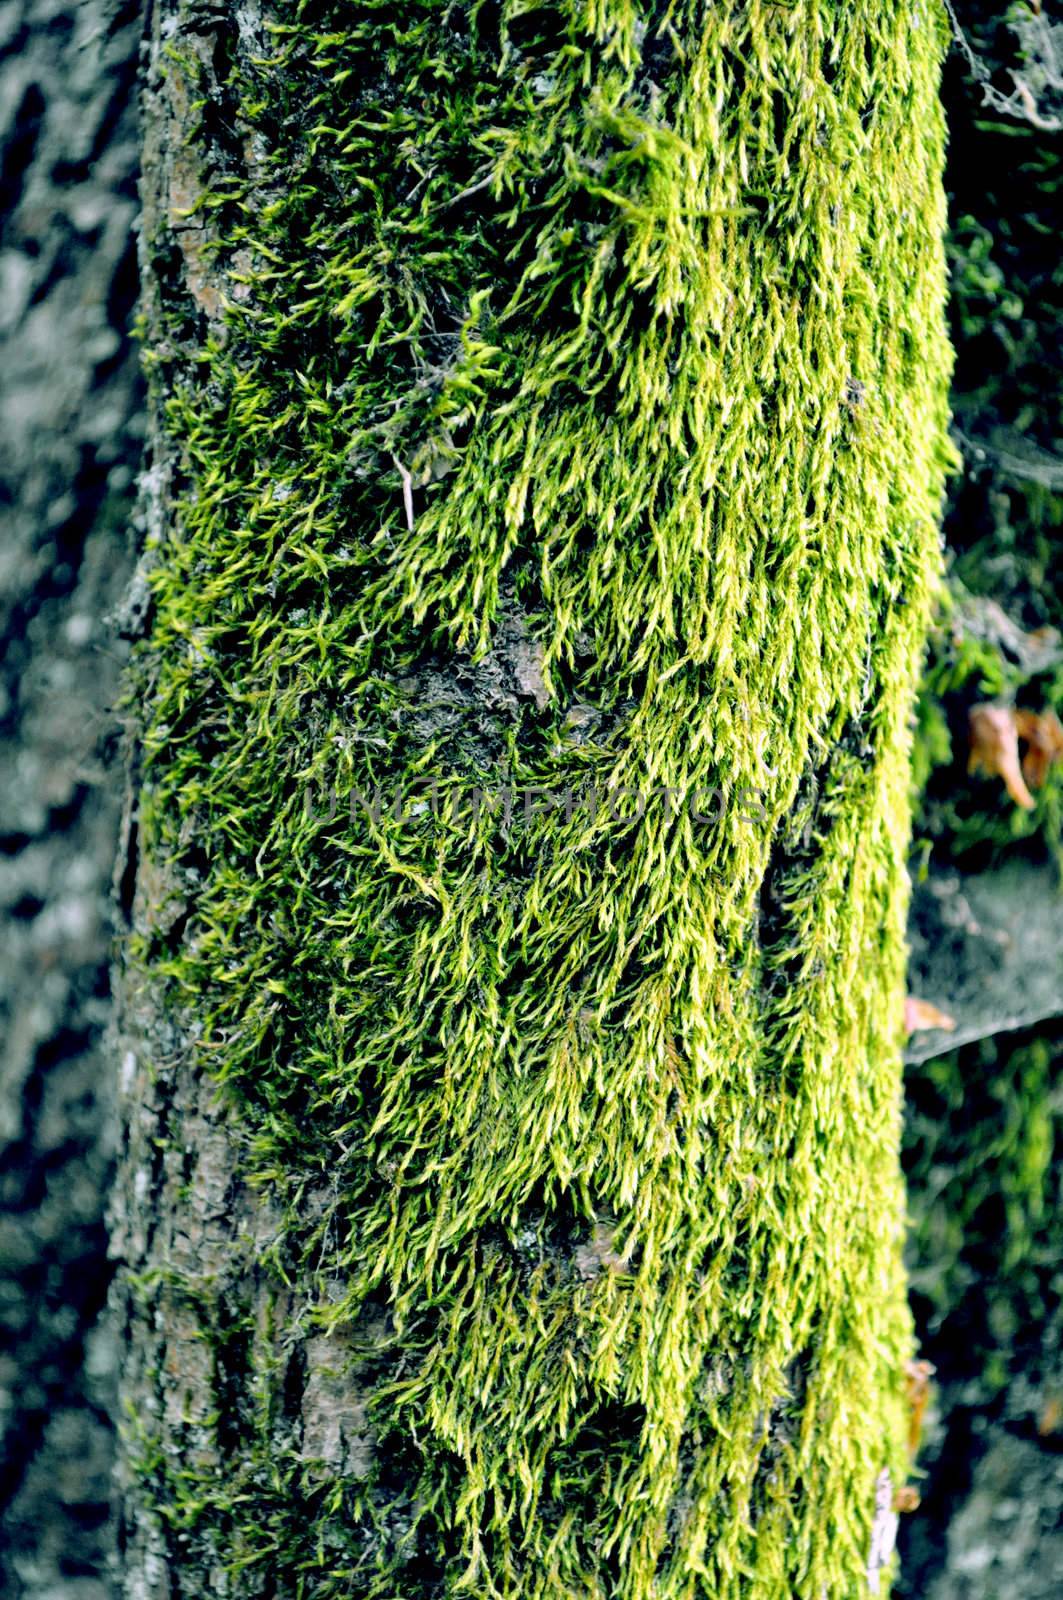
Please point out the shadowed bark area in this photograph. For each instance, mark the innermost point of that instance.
(548, 434)
(69, 442)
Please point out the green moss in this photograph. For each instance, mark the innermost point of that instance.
(579, 421)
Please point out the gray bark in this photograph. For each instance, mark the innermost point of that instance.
(69, 444)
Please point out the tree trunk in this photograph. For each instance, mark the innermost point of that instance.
(70, 418)
(548, 437)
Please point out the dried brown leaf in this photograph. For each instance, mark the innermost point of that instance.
(994, 748)
(1042, 732)
(917, 1376)
(1051, 1419)
(920, 1016)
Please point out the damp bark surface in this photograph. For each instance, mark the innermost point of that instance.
(547, 437)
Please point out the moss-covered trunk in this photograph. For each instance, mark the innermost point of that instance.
(548, 440)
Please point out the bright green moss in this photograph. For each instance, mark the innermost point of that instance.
(580, 421)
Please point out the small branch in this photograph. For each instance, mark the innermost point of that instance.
(1022, 104)
(407, 490)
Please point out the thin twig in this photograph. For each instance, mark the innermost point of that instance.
(407, 490)
(463, 194)
(1022, 104)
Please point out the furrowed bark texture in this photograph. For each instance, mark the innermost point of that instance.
(69, 448)
(549, 411)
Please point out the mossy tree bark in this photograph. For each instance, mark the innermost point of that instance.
(549, 427)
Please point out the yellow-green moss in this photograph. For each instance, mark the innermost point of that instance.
(580, 420)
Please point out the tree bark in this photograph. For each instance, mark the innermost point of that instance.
(547, 445)
(69, 447)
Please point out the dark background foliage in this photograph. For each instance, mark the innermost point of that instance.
(984, 1125)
